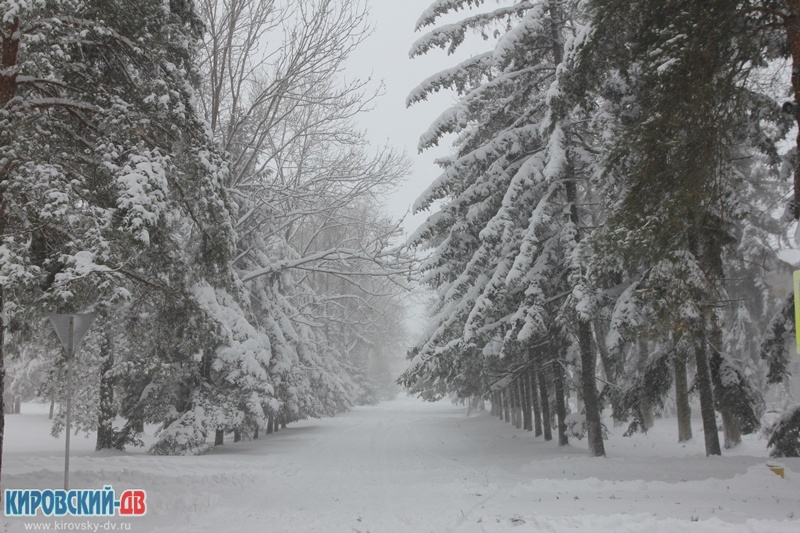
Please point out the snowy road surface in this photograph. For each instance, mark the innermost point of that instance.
(408, 466)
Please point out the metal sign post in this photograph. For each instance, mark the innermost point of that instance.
(70, 330)
(70, 354)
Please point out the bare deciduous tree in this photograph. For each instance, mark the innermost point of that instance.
(307, 182)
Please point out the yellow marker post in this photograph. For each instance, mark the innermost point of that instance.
(778, 469)
(796, 284)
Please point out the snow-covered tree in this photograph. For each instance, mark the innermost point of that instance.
(507, 256)
(111, 184)
(684, 139)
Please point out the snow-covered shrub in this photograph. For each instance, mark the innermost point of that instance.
(768, 421)
(576, 425)
(784, 439)
(183, 437)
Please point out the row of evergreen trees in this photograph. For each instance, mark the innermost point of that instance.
(611, 197)
(209, 198)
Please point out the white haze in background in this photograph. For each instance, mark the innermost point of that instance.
(384, 57)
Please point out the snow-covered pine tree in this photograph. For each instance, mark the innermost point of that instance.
(679, 119)
(472, 185)
(506, 240)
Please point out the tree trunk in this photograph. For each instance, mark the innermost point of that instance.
(52, 408)
(731, 431)
(237, 435)
(682, 399)
(710, 433)
(283, 423)
(512, 410)
(219, 437)
(506, 406)
(537, 408)
(600, 334)
(527, 415)
(106, 412)
(645, 408)
(561, 406)
(17, 404)
(543, 392)
(512, 404)
(594, 427)
(515, 395)
(270, 425)
(502, 405)
(255, 433)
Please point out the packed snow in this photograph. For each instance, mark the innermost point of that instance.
(409, 466)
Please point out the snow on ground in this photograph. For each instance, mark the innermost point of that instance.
(408, 466)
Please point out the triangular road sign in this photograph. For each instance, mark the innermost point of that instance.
(81, 324)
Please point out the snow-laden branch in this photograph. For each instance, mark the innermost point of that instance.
(390, 262)
(440, 8)
(468, 73)
(450, 36)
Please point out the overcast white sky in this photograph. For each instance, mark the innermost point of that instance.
(385, 56)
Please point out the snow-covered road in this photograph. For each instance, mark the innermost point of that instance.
(408, 466)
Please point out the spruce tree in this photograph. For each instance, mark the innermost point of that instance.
(507, 260)
(680, 118)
